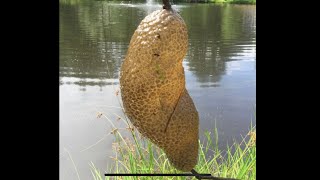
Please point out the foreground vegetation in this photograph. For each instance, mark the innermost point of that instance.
(138, 155)
(219, 1)
(233, 1)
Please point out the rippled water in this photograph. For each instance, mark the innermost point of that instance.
(220, 70)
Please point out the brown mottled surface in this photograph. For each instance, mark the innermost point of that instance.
(153, 90)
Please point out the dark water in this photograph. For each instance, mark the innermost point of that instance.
(220, 70)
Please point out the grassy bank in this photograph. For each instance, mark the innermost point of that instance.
(138, 155)
(232, 1)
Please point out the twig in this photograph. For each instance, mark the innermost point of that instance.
(199, 176)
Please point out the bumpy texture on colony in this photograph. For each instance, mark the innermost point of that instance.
(153, 89)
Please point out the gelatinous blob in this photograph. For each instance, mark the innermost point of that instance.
(153, 91)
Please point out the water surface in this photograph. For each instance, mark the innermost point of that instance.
(220, 70)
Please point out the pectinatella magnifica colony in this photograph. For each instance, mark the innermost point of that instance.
(153, 91)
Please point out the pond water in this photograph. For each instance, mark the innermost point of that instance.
(220, 70)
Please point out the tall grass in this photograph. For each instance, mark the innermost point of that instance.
(138, 155)
(233, 1)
